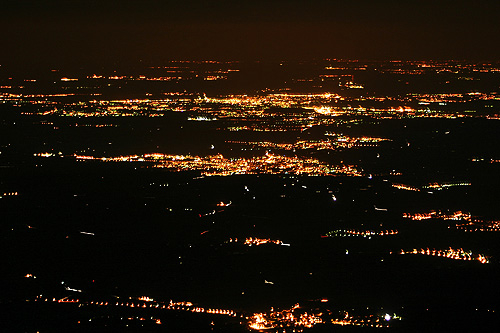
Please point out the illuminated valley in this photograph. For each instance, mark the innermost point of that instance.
(278, 196)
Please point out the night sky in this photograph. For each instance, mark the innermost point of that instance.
(101, 32)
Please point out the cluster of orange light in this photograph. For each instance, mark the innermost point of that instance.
(339, 142)
(145, 299)
(288, 318)
(67, 300)
(219, 166)
(284, 318)
(405, 187)
(62, 300)
(458, 215)
(440, 186)
(259, 241)
(215, 77)
(284, 100)
(360, 233)
(473, 223)
(147, 302)
(364, 321)
(256, 241)
(8, 194)
(479, 225)
(232, 106)
(44, 155)
(457, 254)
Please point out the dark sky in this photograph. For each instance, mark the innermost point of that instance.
(76, 32)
